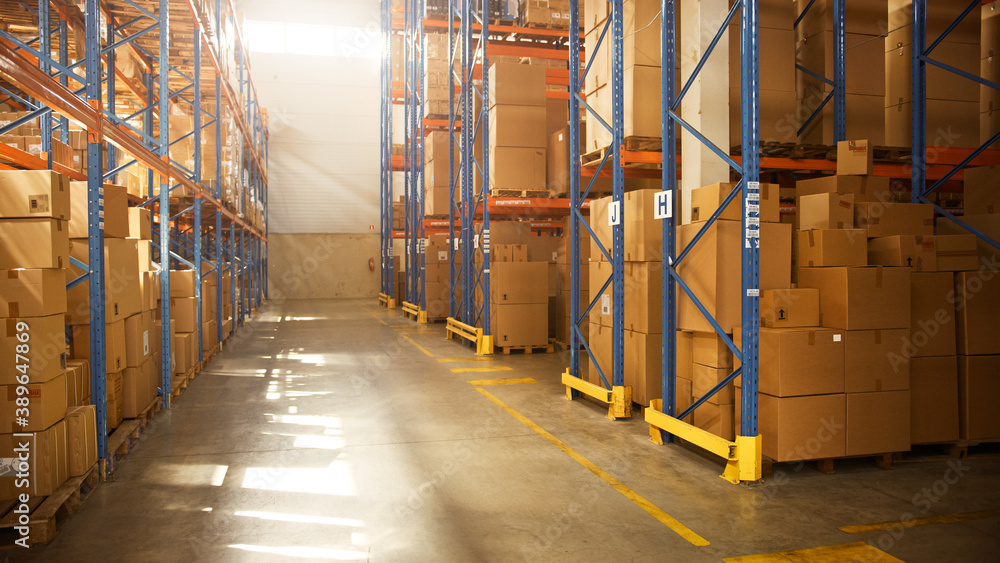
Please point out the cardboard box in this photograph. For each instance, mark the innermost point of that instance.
(140, 225)
(854, 158)
(49, 467)
(557, 163)
(644, 366)
(707, 199)
(516, 168)
(932, 318)
(713, 270)
(180, 347)
(643, 297)
(81, 439)
(150, 285)
(704, 378)
(863, 188)
(32, 293)
(519, 325)
(184, 310)
(799, 361)
(519, 282)
(145, 250)
(978, 388)
(182, 284)
(77, 383)
(709, 350)
(114, 405)
(138, 331)
(861, 298)
(598, 222)
(34, 194)
(643, 232)
(888, 219)
(139, 388)
(116, 214)
(833, 247)
(46, 405)
(641, 94)
(801, 428)
(789, 308)
(934, 400)
(509, 232)
(826, 211)
(956, 253)
(986, 224)
(114, 339)
(873, 362)
(516, 84)
(46, 348)
(977, 300)
(122, 291)
(717, 419)
(878, 423)
(517, 126)
(604, 309)
(33, 243)
(912, 251)
(981, 194)
(599, 341)
(209, 335)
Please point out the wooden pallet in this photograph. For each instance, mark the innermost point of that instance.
(147, 414)
(635, 144)
(536, 25)
(560, 346)
(179, 383)
(48, 514)
(120, 443)
(507, 350)
(519, 193)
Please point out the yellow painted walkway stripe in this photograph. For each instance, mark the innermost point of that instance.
(367, 310)
(508, 381)
(945, 519)
(859, 551)
(472, 359)
(419, 347)
(481, 370)
(649, 507)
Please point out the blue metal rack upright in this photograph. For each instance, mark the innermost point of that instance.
(387, 288)
(414, 95)
(921, 58)
(131, 116)
(837, 83)
(613, 390)
(743, 457)
(470, 320)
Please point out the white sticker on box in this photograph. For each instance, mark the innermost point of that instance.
(614, 213)
(605, 304)
(475, 243)
(836, 338)
(560, 137)
(663, 205)
(145, 343)
(7, 466)
(442, 255)
(555, 256)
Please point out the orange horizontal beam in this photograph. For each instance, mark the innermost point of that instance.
(27, 161)
(18, 70)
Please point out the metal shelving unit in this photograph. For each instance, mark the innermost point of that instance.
(414, 56)
(387, 288)
(921, 58)
(173, 43)
(838, 93)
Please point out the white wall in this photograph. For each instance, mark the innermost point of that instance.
(324, 121)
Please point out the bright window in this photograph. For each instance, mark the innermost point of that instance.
(315, 40)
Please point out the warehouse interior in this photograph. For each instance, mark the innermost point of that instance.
(323, 280)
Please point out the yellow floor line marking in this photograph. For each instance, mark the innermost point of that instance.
(365, 309)
(421, 348)
(649, 507)
(508, 381)
(945, 519)
(481, 370)
(472, 359)
(859, 551)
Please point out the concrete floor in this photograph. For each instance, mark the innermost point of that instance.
(323, 432)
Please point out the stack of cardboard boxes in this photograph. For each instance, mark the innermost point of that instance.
(712, 270)
(517, 128)
(551, 14)
(40, 390)
(436, 75)
(184, 312)
(437, 285)
(989, 68)
(777, 93)
(953, 103)
(865, 72)
(436, 176)
(562, 324)
(641, 70)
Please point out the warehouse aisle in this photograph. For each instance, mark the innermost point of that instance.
(335, 430)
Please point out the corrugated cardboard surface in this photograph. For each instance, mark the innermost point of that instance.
(46, 405)
(933, 400)
(49, 464)
(861, 298)
(932, 316)
(832, 247)
(978, 388)
(854, 158)
(977, 324)
(34, 193)
(32, 293)
(116, 215)
(863, 188)
(800, 361)
(888, 219)
(789, 308)
(46, 355)
(33, 243)
(799, 428)
(825, 211)
(873, 361)
(706, 199)
(878, 422)
(644, 366)
(81, 439)
(913, 251)
(520, 325)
